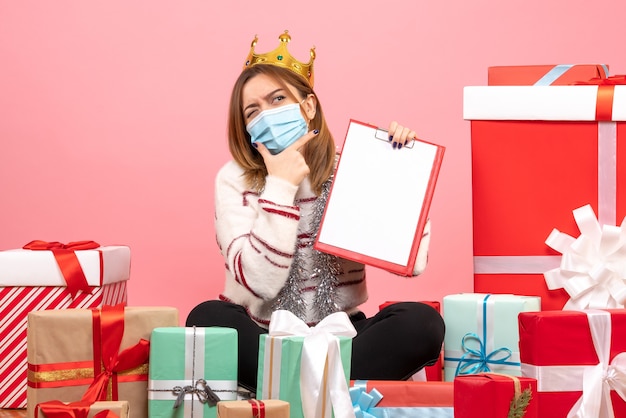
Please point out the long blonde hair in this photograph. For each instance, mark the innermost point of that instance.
(319, 153)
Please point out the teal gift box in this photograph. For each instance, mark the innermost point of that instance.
(482, 333)
(188, 367)
(307, 367)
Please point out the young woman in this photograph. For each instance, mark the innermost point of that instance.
(268, 204)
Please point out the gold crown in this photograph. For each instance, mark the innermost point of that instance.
(282, 58)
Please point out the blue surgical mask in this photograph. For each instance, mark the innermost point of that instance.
(278, 128)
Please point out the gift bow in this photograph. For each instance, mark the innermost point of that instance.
(201, 389)
(58, 409)
(598, 380)
(477, 361)
(362, 401)
(604, 99)
(68, 262)
(107, 340)
(321, 370)
(593, 266)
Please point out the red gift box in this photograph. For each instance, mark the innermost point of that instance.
(432, 373)
(34, 281)
(489, 395)
(553, 75)
(568, 350)
(538, 153)
(411, 394)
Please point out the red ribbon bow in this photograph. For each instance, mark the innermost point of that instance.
(604, 101)
(108, 330)
(58, 409)
(68, 262)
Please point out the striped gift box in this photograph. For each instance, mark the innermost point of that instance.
(31, 281)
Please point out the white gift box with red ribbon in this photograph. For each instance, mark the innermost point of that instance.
(33, 281)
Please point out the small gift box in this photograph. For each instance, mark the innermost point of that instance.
(103, 409)
(191, 369)
(386, 398)
(507, 396)
(307, 367)
(544, 75)
(92, 354)
(578, 359)
(46, 276)
(482, 333)
(254, 408)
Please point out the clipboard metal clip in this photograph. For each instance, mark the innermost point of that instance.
(383, 135)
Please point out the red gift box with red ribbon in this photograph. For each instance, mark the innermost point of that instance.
(90, 355)
(538, 153)
(51, 275)
(578, 359)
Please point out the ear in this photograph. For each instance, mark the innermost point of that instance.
(310, 106)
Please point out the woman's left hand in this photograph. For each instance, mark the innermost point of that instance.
(400, 135)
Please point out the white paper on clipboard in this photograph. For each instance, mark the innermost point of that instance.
(379, 199)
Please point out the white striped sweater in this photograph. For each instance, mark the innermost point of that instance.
(257, 236)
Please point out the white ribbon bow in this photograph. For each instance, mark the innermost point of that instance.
(600, 379)
(593, 266)
(321, 369)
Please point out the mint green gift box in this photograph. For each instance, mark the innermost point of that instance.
(482, 332)
(183, 362)
(279, 368)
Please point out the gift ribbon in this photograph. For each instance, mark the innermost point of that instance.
(192, 392)
(593, 265)
(362, 401)
(321, 369)
(108, 330)
(557, 71)
(67, 261)
(258, 408)
(58, 409)
(596, 382)
(473, 360)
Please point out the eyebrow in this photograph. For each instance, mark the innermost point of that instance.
(270, 94)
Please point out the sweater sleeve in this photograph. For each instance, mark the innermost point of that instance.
(256, 234)
(422, 251)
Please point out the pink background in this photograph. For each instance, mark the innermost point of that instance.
(113, 114)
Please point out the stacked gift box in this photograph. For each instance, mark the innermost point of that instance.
(545, 147)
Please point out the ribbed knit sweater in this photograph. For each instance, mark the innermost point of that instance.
(258, 234)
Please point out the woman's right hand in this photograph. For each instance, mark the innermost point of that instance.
(289, 164)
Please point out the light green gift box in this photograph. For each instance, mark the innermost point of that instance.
(279, 368)
(184, 361)
(482, 332)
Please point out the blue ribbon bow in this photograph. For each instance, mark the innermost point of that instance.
(362, 401)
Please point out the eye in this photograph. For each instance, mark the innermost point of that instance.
(278, 98)
(249, 114)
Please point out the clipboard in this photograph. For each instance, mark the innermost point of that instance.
(379, 200)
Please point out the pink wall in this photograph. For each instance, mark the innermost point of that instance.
(112, 114)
